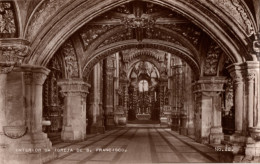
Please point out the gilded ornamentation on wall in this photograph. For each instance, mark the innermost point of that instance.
(70, 58)
(189, 31)
(7, 20)
(143, 22)
(229, 97)
(212, 59)
(120, 36)
(91, 32)
(155, 33)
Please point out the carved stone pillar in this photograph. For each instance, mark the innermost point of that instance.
(208, 127)
(74, 115)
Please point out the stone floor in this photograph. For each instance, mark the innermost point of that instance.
(135, 145)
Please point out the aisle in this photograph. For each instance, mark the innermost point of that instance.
(136, 145)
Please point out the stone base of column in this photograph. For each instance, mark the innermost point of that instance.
(70, 134)
(183, 131)
(36, 140)
(216, 135)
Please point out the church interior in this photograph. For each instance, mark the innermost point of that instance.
(129, 81)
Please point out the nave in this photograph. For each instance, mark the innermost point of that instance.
(143, 144)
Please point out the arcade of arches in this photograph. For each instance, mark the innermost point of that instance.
(74, 68)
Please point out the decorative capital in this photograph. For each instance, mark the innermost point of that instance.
(28, 78)
(73, 87)
(39, 78)
(13, 50)
(250, 76)
(210, 86)
(6, 67)
(35, 74)
(237, 77)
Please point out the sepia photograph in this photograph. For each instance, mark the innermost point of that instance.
(129, 81)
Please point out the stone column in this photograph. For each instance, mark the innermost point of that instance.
(163, 84)
(74, 115)
(95, 111)
(35, 139)
(121, 114)
(239, 137)
(34, 77)
(178, 99)
(238, 100)
(108, 91)
(181, 71)
(208, 128)
(189, 101)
